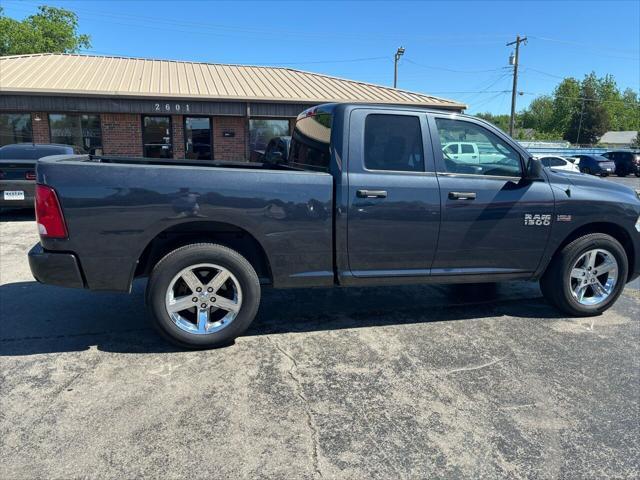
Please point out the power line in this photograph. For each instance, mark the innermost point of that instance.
(590, 47)
(585, 99)
(430, 67)
(234, 29)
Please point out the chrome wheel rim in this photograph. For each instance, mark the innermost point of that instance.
(593, 277)
(203, 299)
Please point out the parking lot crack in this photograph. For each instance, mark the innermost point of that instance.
(311, 425)
(475, 367)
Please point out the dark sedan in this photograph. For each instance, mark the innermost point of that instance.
(596, 165)
(18, 170)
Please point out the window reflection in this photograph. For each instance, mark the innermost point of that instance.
(15, 128)
(83, 131)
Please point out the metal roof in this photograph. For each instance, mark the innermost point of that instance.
(624, 137)
(82, 75)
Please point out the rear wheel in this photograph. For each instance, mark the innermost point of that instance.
(587, 276)
(203, 295)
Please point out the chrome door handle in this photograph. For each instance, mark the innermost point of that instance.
(371, 193)
(462, 195)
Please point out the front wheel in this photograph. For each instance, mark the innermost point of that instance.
(587, 276)
(203, 295)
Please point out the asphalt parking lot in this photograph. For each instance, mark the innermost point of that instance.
(403, 382)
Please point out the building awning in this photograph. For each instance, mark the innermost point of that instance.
(88, 75)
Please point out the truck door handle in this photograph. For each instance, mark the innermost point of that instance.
(462, 195)
(371, 193)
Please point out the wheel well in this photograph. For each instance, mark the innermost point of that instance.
(226, 234)
(616, 231)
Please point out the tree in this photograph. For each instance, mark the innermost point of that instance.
(539, 115)
(590, 122)
(500, 121)
(565, 103)
(51, 30)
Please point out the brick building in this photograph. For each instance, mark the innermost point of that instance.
(167, 109)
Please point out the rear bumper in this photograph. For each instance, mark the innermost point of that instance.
(55, 268)
(26, 186)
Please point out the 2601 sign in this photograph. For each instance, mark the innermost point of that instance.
(171, 107)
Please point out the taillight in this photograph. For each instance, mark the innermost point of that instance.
(30, 175)
(49, 214)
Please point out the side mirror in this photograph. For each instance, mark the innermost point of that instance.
(533, 169)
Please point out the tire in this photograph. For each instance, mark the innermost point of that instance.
(194, 326)
(637, 174)
(556, 283)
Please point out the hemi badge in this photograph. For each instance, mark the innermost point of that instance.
(563, 218)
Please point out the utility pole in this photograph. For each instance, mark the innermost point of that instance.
(580, 123)
(514, 92)
(399, 53)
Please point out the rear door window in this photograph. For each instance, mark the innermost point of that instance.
(393, 142)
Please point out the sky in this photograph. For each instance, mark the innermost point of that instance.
(453, 49)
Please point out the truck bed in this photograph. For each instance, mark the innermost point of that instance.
(115, 207)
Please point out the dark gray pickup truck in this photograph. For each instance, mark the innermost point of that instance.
(366, 197)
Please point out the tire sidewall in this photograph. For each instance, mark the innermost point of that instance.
(184, 257)
(603, 242)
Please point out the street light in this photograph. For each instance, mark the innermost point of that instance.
(397, 56)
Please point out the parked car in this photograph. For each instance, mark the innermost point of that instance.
(277, 150)
(558, 163)
(17, 170)
(463, 151)
(626, 162)
(367, 197)
(596, 165)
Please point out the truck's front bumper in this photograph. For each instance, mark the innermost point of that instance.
(55, 268)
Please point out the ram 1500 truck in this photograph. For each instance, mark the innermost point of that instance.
(366, 197)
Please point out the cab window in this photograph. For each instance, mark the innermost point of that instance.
(451, 149)
(494, 156)
(393, 142)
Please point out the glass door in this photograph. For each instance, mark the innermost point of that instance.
(156, 136)
(197, 138)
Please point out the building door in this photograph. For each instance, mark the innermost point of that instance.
(156, 136)
(198, 143)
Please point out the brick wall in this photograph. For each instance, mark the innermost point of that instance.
(40, 127)
(230, 148)
(177, 125)
(121, 134)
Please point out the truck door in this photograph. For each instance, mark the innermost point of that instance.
(393, 210)
(493, 221)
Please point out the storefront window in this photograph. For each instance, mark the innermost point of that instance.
(15, 128)
(80, 130)
(263, 130)
(197, 137)
(156, 137)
